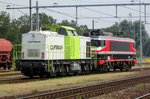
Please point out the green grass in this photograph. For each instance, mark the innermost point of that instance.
(11, 72)
(140, 86)
(53, 83)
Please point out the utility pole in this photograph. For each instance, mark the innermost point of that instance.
(141, 49)
(93, 24)
(37, 16)
(140, 28)
(76, 16)
(30, 12)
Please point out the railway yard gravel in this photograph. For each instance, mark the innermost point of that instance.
(65, 82)
(128, 93)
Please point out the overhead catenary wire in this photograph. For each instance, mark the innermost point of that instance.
(11, 3)
(21, 11)
(85, 7)
(97, 11)
(97, 18)
(134, 10)
(66, 14)
(79, 17)
(85, 1)
(60, 13)
(110, 17)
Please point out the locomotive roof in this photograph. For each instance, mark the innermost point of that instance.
(42, 32)
(112, 38)
(68, 28)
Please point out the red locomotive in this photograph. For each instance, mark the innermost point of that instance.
(5, 53)
(113, 52)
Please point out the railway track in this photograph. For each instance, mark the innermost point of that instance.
(84, 92)
(20, 80)
(9, 74)
(146, 96)
(1, 71)
(6, 73)
(25, 80)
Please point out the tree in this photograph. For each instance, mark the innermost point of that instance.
(129, 29)
(126, 28)
(14, 34)
(44, 20)
(146, 48)
(23, 24)
(4, 24)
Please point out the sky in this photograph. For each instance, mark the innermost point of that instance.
(102, 16)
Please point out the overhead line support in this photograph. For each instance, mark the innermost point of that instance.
(116, 11)
(89, 5)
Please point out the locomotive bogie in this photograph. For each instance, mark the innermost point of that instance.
(55, 67)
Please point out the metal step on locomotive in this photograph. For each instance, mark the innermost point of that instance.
(57, 50)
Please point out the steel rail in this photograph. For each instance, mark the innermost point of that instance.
(9, 74)
(146, 96)
(25, 80)
(90, 91)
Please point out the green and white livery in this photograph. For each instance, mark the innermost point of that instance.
(54, 50)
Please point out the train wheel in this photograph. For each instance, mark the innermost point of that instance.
(67, 70)
(48, 74)
(99, 68)
(121, 68)
(41, 75)
(114, 68)
(9, 67)
(86, 68)
(127, 67)
(42, 72)
(108, 67)
(105, 68)
(58, 74)
(31, 76)
(4, 67)
(90, 68)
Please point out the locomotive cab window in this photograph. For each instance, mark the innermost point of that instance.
(98, 43)
(72, 32)
(133, 45)
(103, 43)
(62, 31)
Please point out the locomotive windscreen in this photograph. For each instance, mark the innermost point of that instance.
(119, 46)
(98, 43)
